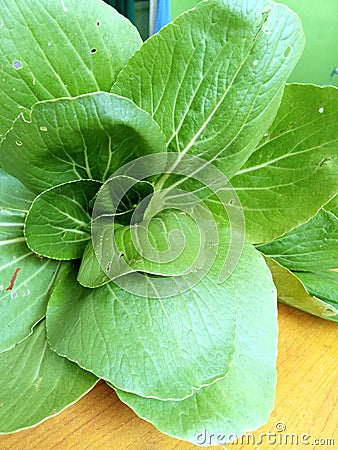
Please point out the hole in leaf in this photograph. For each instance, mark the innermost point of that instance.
(287, 52)
(98, 23)
(324, 162)
(93, 50)
(17, 65)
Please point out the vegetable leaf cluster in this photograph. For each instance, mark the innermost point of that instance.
(101, 140)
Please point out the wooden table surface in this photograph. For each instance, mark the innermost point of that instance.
(305, 404)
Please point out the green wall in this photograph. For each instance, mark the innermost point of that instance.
(320, 24)
(178, 6)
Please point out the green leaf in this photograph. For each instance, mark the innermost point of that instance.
(243, 399)
(307, 251)
(53, 48)
(213, 78)
(323, 285)
(24, 304)
(332, 206)
(162, 364)
(86, 137)
(58, 222)
(97, 328)
(91, 274)
(169, 233)
(309, 247)
(294, 170)
(36, 383)
(169, 244)
(14, 196)
(292, 292)
(143, 248)
(123, 197)
(25, 279)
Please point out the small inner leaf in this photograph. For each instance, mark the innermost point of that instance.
(169, 244)
(58, 222)
(123, 198)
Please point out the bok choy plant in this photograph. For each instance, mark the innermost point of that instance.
(153, 196)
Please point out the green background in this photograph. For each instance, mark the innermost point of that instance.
(320, 24)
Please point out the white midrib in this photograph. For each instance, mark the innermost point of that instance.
(12, 241)
(280, 158)
(216, 108)
(209, 118)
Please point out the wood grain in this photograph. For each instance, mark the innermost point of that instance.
(306, 403)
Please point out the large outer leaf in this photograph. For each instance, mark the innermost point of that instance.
(312, 246)
(59, 48)
(294, 170)
(292, 292)
(36, 383)
(85, 137)
(58, 222)
(213, 79)
(25, 279)
(242, 400)
(161, 348)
